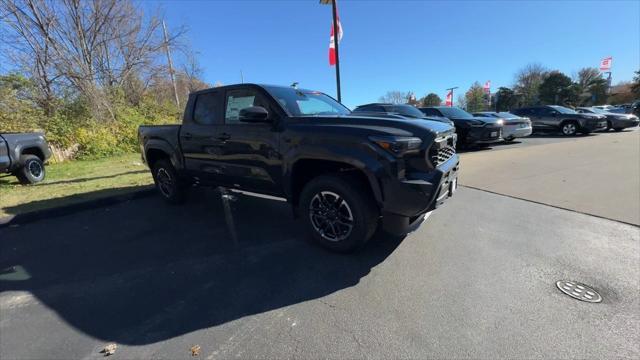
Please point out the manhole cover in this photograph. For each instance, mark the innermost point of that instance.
(579, 291)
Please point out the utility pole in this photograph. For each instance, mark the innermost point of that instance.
(173, 78)
(608, 82)
(451, 90)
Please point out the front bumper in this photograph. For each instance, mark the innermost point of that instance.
(594, 125)
(484, 134)
(625, 123)
(407, 201)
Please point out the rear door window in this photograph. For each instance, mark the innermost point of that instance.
(205, 110)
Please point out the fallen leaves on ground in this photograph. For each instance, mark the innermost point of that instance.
(110, 349)
(195, 350)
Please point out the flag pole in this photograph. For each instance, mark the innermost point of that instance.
(335, 45)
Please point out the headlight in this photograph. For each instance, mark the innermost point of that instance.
(397, 145)
(500, 122)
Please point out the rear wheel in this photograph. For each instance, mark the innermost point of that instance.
(338, 213)
(569, 128)
(32, 170)
(168, 183)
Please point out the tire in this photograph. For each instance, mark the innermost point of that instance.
(168, 183)
(609, 125)
(338, 213)
(569, 128)
(618, 129)
(32, 170)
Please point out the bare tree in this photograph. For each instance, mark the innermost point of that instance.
(193, 73)
(94, 45)
(26, 45)
(394, 97)
(527, 82)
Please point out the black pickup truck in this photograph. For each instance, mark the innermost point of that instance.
(343, 174)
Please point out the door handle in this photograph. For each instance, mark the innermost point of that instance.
(224, 137)
(187, 136)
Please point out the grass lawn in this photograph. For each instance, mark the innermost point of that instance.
(75, 181)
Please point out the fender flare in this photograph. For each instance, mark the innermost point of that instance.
(363, 161)
(164, 146)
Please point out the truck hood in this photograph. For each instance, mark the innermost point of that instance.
(371, 125)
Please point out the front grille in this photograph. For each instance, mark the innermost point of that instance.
(442, 150)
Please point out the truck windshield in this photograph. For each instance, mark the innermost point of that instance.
(306, 103)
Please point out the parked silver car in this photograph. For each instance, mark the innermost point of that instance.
(514, 126)
(617, 122)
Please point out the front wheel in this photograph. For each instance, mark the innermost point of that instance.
(168, 183)
(618, 129)
(338, 213)
(570, 128)
(32, 170)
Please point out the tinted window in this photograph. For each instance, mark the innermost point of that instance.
(563, 110)
(455, 113)
(431, 112)
(238, 100)
(545, 111)
(205, 110)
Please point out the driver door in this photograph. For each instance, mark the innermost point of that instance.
(249, 152)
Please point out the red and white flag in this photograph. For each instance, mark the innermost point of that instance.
(449, 99)
(487, 87)
(605, 64)
(332, 47)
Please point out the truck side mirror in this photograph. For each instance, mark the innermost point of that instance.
(254, 114)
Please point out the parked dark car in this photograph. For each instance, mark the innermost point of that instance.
(471, 130)
(344, 174)
(23, 155)
(617, 122)
(405, 110)
(513, 127)
(560, 118)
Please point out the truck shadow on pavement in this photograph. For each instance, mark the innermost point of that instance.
(140, 272)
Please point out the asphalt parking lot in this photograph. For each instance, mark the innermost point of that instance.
(477, 280)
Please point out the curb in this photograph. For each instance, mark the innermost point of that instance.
(36, 215)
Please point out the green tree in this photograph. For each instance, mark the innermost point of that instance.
(591, 87)
(431, 99)
(505, 98)
(475, 98)
(557, 88)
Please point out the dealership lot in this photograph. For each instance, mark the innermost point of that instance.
(597, 174)
(476, 280)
